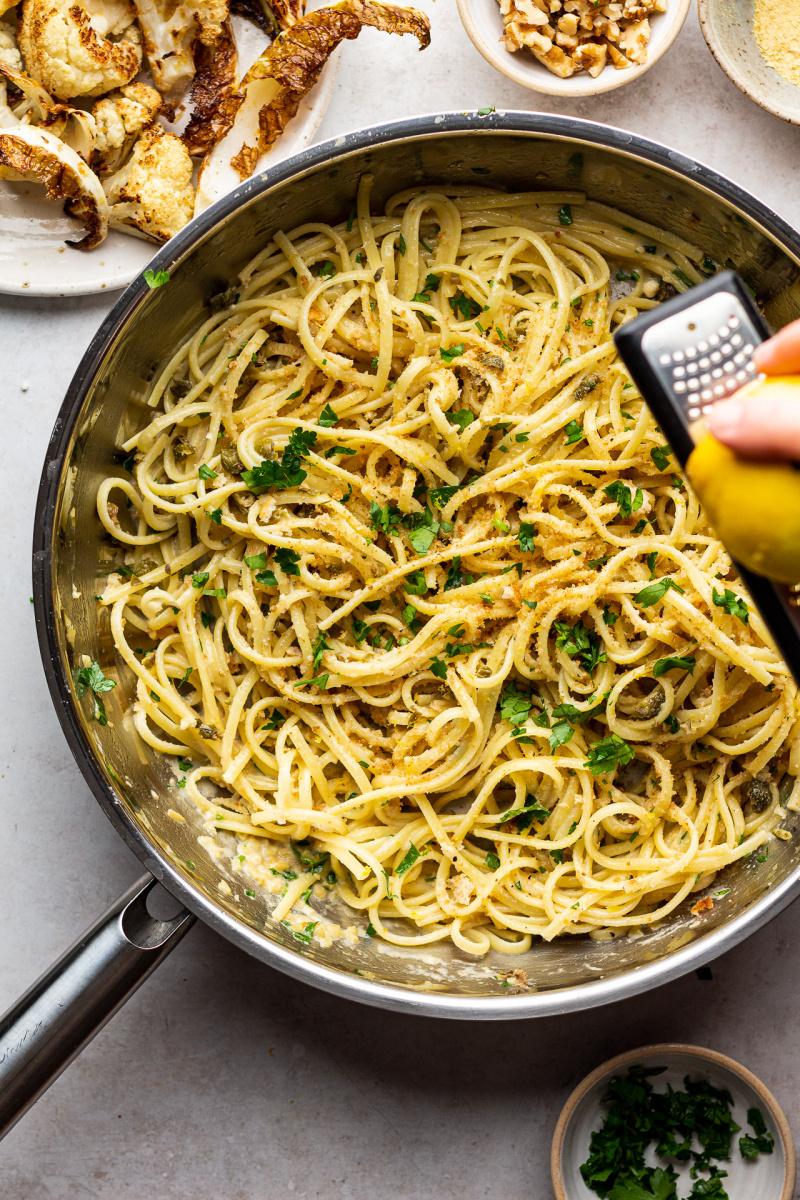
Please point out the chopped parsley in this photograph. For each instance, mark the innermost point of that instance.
(453, 352)
(415, 583)
(288, 472)
(674, 662)
(409, 860)
(155, 279)
(462, 419)
(527, 532)
(730, 603)
(565, 215)
(287, 560)
(627, 502)
(515, 705)
(327, 417)
(579, 642)
(661, 456)
(463, 307)
(637, 1117)
(608, 754)
(655, 591)
(574, 432)
(92, 679)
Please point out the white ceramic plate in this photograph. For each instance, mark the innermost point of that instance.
(34, 259)
(484, 24)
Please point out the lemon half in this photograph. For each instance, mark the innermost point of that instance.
(754, 506)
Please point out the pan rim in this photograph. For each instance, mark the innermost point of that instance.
(403, 999)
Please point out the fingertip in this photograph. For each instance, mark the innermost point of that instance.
(725, 420)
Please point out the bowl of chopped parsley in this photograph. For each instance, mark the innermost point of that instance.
(672, 1122)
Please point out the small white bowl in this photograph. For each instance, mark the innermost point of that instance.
(769, 1177)
(727, 26)
(484, 24)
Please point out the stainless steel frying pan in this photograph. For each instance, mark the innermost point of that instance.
(79, 994)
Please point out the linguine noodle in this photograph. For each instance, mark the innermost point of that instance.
(412, 582)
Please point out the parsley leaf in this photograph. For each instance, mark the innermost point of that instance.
(386, 519)
(661, 456)
(318, 647)
(579, 642)
(762, 1142)
(453, 352)
(155, 279)
(287, 560)
(624, 497)
(288, 472)
(422, 539)
(730, 603)
(527, 532)
(455, 576)
(327, 417)
(439, 668)
(655, 591)
(464, 307)
(574, 432)
(92, 678)
(415, 583)
(515, 705)
(205, 472)
(409, 860)
(608, 754)
(462, 419)
(686, 663)
(565, 215)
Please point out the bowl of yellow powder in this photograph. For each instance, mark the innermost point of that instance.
(757, 44)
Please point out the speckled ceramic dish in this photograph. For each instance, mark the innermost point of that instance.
(728, 28)
(483, 23)
(768, 1177)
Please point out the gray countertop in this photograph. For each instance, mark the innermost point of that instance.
(221, 1079)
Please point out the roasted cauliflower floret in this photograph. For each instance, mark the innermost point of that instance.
(170, 32)
(77, 49)
(9, 54)
(119, 119)
(152, 195)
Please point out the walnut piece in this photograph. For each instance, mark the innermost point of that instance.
(568, 36)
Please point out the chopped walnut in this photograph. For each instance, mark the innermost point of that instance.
(568, 36)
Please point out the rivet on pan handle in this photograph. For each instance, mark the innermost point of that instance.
(48, 1026)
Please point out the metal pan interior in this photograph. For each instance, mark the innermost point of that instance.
(515, 151)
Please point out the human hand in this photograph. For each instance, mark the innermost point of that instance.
(764, 420)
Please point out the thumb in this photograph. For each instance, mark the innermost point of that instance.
(765, 426)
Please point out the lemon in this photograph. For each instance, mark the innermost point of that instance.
(754, 506)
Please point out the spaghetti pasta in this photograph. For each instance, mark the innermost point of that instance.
(410, 578)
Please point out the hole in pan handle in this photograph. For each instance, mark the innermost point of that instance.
(686, 355)
(62, 1011)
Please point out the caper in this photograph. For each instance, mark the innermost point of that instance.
(231, 462)
(650, 705)
(758, 793)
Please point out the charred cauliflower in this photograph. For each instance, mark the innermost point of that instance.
(170, 32)
(30, 153)
(152, 195)
(119, 119)
(9, 54)
(77, 49)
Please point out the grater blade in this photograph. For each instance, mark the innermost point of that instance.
(685, 356)
(692, 352)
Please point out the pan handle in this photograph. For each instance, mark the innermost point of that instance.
(50, 1025)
